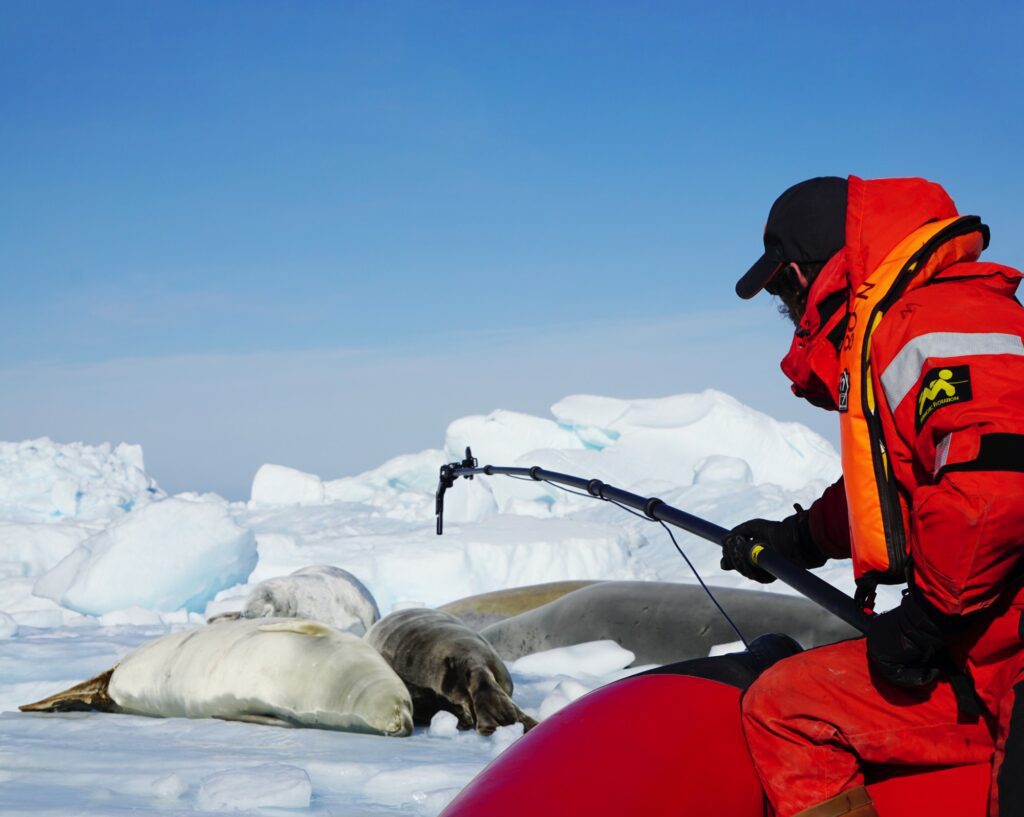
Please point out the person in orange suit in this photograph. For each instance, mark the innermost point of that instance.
(917, 345)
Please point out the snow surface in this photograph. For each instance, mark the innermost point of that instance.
(280, 485)
(268, 785)
(95, 560)
(592, 658)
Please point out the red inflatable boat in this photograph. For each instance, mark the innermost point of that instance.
(668, 743)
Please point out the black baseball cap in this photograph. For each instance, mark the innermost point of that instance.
(807, 223)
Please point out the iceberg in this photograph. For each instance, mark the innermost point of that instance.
(176, 553)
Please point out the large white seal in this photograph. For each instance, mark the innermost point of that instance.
(320, 592)
(288, 672)
(447, 666)
(661, 622)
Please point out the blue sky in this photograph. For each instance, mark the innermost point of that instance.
(313, 233)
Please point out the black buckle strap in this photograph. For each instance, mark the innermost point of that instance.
(998, 452)
(867, 590)
(967, 701)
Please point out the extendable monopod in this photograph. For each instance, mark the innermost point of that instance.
(801, 580)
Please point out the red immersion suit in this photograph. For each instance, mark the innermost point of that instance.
(942, 388)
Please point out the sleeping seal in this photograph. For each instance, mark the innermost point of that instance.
(321, 592)
(661, 622)
(286, 672)
(447, 666)
(486, 608)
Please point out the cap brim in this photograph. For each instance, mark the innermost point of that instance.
(757, 276)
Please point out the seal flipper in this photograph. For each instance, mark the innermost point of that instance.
(91, 695)
(492, 705)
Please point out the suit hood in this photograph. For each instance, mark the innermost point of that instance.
(882, 212)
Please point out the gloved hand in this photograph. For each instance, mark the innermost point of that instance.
(904, 643)
(791, 538)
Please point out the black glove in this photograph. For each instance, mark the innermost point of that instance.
(790, 538)
(904, 644)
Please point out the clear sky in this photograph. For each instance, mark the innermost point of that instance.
(314, 232)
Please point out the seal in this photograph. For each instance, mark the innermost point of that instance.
(487, 608)
(661, 622)
(320, 592)
(285, 672)
(447, 666)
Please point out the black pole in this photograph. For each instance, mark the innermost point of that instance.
(801, 580)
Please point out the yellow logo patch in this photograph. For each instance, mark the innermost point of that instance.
(942, 387)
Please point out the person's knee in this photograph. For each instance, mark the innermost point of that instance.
(788, 688)
(810, 684)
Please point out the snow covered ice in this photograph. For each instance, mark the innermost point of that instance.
(595, 658)
(192, 544)
(41, 480)
(268, 785)
(95, 560)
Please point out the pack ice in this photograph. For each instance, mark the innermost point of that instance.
(95, 560)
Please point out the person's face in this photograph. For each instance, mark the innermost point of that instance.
(790, 286)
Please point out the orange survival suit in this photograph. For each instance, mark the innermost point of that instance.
(919, 347)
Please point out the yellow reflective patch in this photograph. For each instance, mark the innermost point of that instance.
(942, 387)
(937, 385)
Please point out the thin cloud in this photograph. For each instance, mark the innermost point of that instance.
(207, 421)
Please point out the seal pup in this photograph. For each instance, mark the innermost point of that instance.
(487, 608)
(661, 622)
(320, 592)
(285, 672)
(447, 666)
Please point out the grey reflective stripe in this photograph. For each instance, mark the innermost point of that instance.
(903, 372)
(942, 453)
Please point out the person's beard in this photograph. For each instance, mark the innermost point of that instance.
(793, 305)
(791, 299)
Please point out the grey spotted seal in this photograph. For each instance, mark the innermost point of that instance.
(661, 622)
(323, 593)
(487, 608)
(447, 666)
(285, 672)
